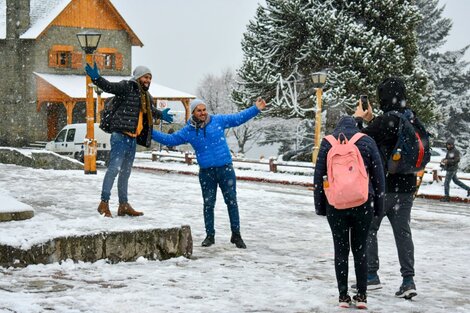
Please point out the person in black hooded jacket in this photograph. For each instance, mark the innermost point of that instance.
(350, 227)
(399, 188)
(451, 164)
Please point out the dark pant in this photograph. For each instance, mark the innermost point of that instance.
(224, 177)
(398, 210)
(121, 159)
(350, 228)
(452, 176)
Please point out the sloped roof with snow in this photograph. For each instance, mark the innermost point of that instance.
(74, 86)
(42, 13)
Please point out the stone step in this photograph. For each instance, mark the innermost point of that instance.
(122, 246)
(16, 216)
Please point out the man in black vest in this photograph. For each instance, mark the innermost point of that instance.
(131, 124)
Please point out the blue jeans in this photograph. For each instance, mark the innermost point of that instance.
(398, 210)
(224, 177)
(452, 176)
(121, 159)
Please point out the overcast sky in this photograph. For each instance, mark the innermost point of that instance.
(186, 39)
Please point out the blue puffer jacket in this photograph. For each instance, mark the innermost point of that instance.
(372, 161)
(210, 144)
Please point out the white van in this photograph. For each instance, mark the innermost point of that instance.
(70, 142)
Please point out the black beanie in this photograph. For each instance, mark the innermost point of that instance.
(450, 141)
(391, 93)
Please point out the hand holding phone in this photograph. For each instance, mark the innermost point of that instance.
(364, 102)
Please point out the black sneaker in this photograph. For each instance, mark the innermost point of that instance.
(344, 301)
(237, 240)
(209, 241)
(445, 199)
(360, 301)
(373, 283)
(406, 291)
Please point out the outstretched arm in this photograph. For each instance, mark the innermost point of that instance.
(233, 120)
(174, 139)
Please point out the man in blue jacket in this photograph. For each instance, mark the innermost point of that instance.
(206, 135)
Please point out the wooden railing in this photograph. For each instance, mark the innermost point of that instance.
(272, 163)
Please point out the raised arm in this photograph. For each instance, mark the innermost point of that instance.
(174, 139)
(119, 88)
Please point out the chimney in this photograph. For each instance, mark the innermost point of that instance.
(17, 18)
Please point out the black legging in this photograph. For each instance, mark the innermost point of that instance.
(357, 220)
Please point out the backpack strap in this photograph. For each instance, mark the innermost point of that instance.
(356, 137)
(332, 140)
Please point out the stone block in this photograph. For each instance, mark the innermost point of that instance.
(122, 246)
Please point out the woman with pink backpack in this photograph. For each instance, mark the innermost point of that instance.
(349, 188)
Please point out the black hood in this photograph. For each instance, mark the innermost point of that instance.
(391, 93)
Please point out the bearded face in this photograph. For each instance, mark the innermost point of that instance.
(145, 81)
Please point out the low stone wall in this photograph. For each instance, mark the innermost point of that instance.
(153, 244)
(15, 216)
(39, 159)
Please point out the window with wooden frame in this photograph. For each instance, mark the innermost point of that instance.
(61, 56)
(109, 58)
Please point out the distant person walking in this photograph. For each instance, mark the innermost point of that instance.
(132, 124)
(350, 226)
(206, 135)
(451, 164)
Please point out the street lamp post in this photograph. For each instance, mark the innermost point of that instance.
(98, 106)
(318, 80)
(89, 42)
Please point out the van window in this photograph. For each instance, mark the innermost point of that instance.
(61, 136)
(71, 135)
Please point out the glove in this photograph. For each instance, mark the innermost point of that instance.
(167, 117)
(93, 72)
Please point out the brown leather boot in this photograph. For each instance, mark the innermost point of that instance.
(126, 209)
(103, 209)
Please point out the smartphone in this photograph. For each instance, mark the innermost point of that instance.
(364, 102)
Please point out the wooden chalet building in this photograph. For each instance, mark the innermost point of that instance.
(42, 64)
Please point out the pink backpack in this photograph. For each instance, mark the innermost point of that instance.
(347, 184)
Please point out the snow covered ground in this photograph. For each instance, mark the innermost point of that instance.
(288, 266)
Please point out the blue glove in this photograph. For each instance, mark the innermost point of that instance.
(167, 117)
(93, 72)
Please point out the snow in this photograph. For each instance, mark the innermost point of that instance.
(73, 86)
(43, 12)
(11, 205)
(288, 266)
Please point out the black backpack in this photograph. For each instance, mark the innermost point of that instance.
(412, 150)
(107, 114)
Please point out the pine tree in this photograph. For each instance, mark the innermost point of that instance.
(448, 72)
(361, 42)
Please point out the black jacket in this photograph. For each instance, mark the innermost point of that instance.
(128, 104)
(452, 159)
(372, 161)
(384, 130)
